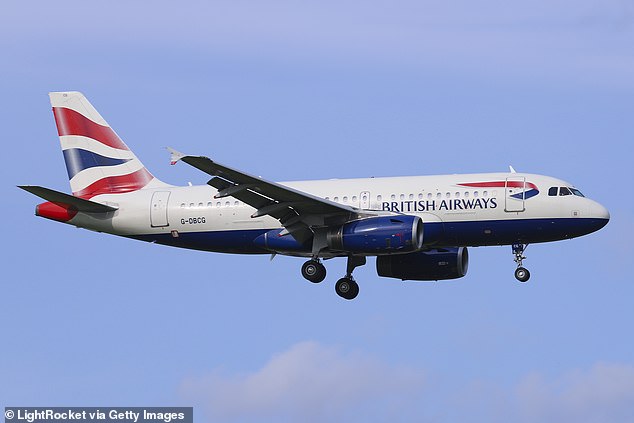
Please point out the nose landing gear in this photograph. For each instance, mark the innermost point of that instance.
(521, 273)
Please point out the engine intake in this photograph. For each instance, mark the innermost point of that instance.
(378, 235)
(432, 265)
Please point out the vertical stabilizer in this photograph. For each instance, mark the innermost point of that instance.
(97, 160)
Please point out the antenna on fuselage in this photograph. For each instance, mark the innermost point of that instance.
(512, 170)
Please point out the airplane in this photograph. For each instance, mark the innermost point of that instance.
(417, 227)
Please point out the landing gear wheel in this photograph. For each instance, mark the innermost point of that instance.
(522, 274)
(347, 288)
(314, 271)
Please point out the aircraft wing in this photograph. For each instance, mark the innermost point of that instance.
(299, 212)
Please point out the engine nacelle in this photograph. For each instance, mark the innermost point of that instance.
(432, 265)
(378, 235)
(273, 240)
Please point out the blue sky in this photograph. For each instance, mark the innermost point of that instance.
(309, 90)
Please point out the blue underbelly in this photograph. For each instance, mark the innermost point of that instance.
(447, 234)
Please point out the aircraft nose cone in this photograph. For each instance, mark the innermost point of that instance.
(600, 215)
(600, 212)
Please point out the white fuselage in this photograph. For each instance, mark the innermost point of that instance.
(447, 203)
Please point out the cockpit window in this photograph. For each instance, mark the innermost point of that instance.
(561, 191)
(576, 192)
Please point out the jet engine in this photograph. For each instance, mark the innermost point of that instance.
(431, 265)
(378, 235)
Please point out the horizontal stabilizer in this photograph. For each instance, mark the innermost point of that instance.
(57, 197)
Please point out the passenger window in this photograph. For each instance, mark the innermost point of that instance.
(485, 193)
(182, 205)
(466, 194)
(402, 197)
(393, 197)
(420, 196)
(448, 195)
(429, 195)
(475, 193)
(210, 204)
(191, 205)
(552, 191)
(457, 195)
(564, 191)
(345, 199)
(411, 196)
(379, 198)
(336, 199)
(439, 196)
(200, 205)
(218, 204)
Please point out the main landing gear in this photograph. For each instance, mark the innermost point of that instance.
(521, 273)
(345, 287)
(314, 271)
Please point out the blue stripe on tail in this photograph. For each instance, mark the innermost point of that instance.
(78, 159)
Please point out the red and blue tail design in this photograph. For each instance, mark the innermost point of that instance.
(97, 160)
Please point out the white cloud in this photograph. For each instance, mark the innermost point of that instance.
(308, 382)
(314, 383)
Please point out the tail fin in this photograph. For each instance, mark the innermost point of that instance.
(97, 161)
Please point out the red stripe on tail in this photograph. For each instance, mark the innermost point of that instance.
(70, 122)
(116, 184)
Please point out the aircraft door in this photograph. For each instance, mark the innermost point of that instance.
(514, 192)
(158, 209)
(364, 200)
